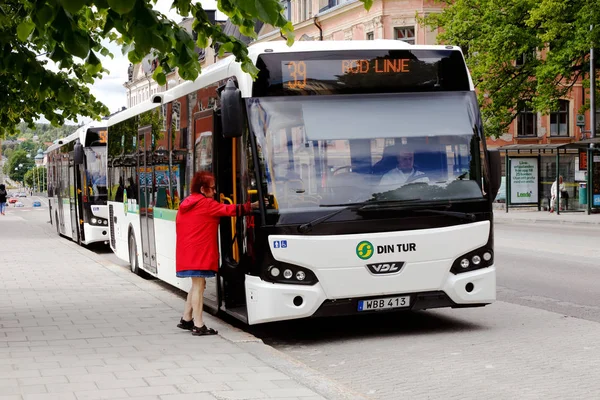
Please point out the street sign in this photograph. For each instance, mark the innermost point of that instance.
(580, 120)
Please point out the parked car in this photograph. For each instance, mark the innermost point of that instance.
(37, 204)
(19, 204)
(22, 194)
(12, 200)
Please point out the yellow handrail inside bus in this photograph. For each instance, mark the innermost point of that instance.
(236, 255)
(254, 191)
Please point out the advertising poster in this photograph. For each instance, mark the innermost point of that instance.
(596, 180)
(524, 181)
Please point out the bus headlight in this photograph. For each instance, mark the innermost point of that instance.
(94, 220)
(290, 274)
(476, 259)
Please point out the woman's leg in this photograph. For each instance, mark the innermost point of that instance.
(198, 285)
(187, 310)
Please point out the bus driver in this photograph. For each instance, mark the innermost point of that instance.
(404, 172)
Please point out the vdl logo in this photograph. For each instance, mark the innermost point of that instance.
(364, 250)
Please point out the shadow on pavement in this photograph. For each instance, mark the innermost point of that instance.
(319, 330)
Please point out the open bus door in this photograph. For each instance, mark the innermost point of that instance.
(80, 178)
(73, 200)
(204, 150)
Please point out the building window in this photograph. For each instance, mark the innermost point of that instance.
(370, 36)
(305, 10)
(559, 119)
(523, 57)
(527, 122)
(287, 9)
(405, 34)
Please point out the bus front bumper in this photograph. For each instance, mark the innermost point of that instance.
(268, 302)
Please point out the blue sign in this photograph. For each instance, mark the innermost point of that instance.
(280, 244)
(596, 200)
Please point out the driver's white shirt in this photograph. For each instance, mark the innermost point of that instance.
(397, 177)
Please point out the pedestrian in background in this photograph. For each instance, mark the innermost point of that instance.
(197, 250)
(554, 192)
(3, 199)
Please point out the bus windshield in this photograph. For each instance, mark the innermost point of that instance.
(318, 151)
(95, 165)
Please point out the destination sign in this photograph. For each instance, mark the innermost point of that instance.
(360, 71)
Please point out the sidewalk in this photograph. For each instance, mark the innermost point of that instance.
(75, 326)
(535, 216)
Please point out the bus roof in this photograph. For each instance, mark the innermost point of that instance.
(228, 67)
(80, 133)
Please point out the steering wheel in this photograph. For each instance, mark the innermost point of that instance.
(339, 169)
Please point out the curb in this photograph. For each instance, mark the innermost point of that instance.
(545, 221)
(247, 342)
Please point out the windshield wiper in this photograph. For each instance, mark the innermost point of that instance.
(307, 227)
(383, 204)
(457, 214)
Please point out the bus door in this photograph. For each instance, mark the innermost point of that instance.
(232, 270)
(73, 200)
(204, 151)
(146, 197)
(80, 194)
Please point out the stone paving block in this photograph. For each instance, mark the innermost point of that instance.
(97, 394)
(169, 380)
(23, 389)
(296, 392)
(152, 390)
(122, 383)
(70, 387)
(241, 394)
(194, 396)
(206, 377)
(203, 387)
(50, 396)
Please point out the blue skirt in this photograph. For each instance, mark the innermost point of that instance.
(190, 273)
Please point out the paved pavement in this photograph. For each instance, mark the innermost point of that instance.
(527, 216)
(75, 326)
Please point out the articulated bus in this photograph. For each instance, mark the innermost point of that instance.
(371, 158)
(77, 185)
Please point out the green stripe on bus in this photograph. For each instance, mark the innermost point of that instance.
(165, 213)
(66, 201)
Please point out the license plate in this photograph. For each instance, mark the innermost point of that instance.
(384, 303)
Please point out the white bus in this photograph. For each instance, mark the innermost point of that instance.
(77, 190)
(373, 159)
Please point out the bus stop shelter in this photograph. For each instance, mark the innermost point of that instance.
(526, 165)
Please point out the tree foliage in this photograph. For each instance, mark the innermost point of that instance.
(17, 165)
(73, 33)
(551, 39)
(36, 178)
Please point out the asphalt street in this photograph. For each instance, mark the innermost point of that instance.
(539, 340)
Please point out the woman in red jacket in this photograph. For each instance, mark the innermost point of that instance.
(197, 251)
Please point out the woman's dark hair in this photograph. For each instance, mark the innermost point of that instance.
(201, 180)
(2, 187)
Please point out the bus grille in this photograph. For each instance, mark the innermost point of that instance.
(111, 223)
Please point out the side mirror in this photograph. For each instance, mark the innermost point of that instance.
(232, 111)
(78, 153)
(495, 172)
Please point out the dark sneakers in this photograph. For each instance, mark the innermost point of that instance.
(203, 331)
(187, 325)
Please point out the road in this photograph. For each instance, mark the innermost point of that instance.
(539, 340)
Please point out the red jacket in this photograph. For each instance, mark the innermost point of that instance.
(197, 228)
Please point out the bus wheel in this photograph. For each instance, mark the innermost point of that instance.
(133, 259)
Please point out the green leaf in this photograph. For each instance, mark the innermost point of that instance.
(72, 6)
(24, 29)
(160, 78)
(268, 10)
(58, 54)
(368, 4)
(122, 6)
(44, 15)
(76, 44)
